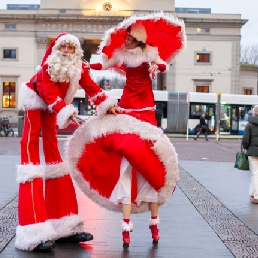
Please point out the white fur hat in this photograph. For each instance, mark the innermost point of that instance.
(255, 110)
(138, 31)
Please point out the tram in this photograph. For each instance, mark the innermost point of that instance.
(181, 111)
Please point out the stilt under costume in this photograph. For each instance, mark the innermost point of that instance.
(47, 205)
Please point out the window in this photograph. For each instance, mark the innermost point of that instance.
(9, 99)
(10, 26)
(9, 53)
(203, 58)
(202, 89)
(248, 92)
(203, 30)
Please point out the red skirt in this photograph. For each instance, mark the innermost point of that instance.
(96, 149)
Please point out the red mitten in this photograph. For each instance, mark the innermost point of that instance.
(161, 67)
(96, 66)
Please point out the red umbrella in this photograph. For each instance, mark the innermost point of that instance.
(163, 31)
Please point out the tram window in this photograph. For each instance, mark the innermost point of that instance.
(196, 110)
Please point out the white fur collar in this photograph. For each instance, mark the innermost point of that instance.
(135, 57)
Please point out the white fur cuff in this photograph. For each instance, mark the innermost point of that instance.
(105, 105)
(26, 173)
(154, 221)
(126, 227)
(64, 114)
(56, 170)
(30, 236)
(68, 225)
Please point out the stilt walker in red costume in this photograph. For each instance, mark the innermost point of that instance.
(47, 205)
(139, 167)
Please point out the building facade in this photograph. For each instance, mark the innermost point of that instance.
(210, 63)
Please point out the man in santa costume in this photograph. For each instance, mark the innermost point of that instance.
(47, 205)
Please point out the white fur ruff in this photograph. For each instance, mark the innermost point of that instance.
(123, 124)
(53, 171)
(126, 227)
(29, 99)
(68, 225)
(64, 114)
(153, 221)
(153, 16)
(105, 105)
(30, 236)
(26, 173)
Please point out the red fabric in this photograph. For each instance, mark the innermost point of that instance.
(154, 217)
(60, 197)
(161, 67)
(126, 221)
(100, 162)
(160, 33)
(134, 186)
(96, 66)
(31, 203)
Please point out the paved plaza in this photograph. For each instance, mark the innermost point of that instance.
(209, 215)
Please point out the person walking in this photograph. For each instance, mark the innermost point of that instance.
(203, 128)
(250, 143)
(47, 205)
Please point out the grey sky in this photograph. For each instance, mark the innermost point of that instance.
(247, 9)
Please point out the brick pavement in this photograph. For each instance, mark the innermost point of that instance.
(184, 230)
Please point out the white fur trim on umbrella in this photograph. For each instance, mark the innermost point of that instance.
(105, 105)
(57, 170)
(26, 173)
(29, 99)
(64, 114)
(123, 124)
(30, 236)
(154, 221)
(68, 225)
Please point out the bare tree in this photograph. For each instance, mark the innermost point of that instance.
(249, 54)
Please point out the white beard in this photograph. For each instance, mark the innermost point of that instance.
(63, 68)
(66, 69)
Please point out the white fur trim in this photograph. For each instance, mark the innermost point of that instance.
(69, 39)
(56, 170)
(68, 225)
(98, 127)
(50, 107)
(95, 97)
(64, 114)
(29, 99)
(30, 236)
(26, 173)
(128, 110)
(138, 31)
(105, 105)
(153, 16)
(126, 227)
(154, 221)
(38, 68)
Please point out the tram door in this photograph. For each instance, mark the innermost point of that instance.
(211, 118)
(234, 122)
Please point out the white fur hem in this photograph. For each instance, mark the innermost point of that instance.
(64, 114)
(105, 105)
(56, 170)
(29, 99)
(126, 227)
(68, 225)
(154, 221)
(123, 124)
(26, 173)
(30, 236)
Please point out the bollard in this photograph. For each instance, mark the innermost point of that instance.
(20, 125)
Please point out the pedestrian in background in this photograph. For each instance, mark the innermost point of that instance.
(203, 128)
(250, 143)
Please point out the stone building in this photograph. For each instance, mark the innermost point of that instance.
(209, 64)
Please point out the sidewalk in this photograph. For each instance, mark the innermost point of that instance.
(209, 215)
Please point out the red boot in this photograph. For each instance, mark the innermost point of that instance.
(126, 229)
(153, 225)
